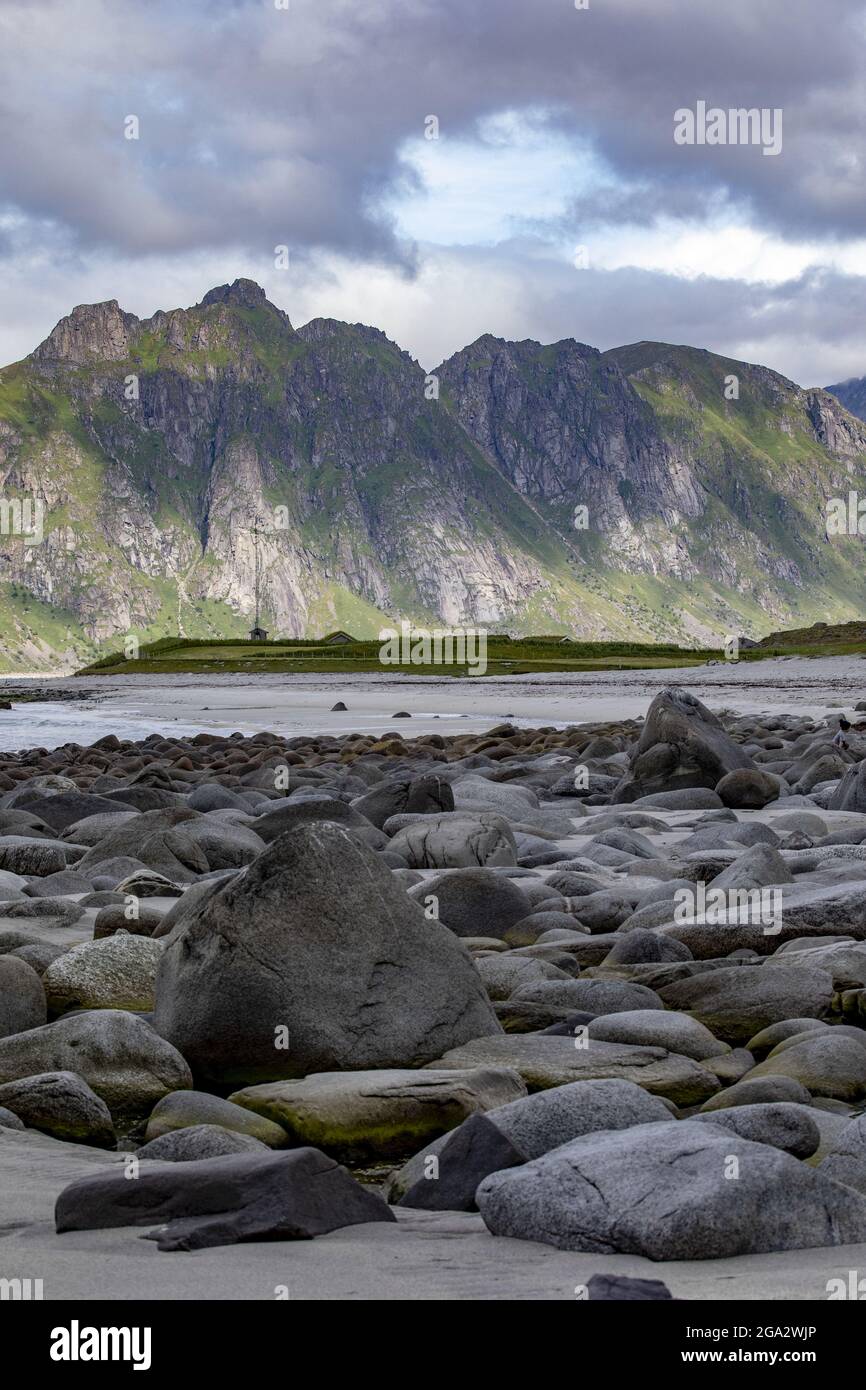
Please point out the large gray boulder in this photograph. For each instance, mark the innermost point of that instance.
(113, 972)
(828, 1064)
(846, 1161)
(288, 815)
(405, 796)
(457, 840)
(514, 1134)
(687, 1191)
(682, 745)
(472, 902)
(739, 1000)
(314, 959)
(120, 1057)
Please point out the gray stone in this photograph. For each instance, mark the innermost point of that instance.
(460, 840)
(682, 745)
(826, 1063)
(192, 1109)
(659, 1028)
(22, 997)
(659, 1191)
(61, 1104)
(782, 1124)
(290, 1195)
(516, 1133)
(545, 1060)
(472, 902)
(120, 1057)
(737, 1001)
(595, 996)
(316, 943)
(358, 1116)
(199, 1142)
(115, 972)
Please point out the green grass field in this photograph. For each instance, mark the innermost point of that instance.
(505, 656)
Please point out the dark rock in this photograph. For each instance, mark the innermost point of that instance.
(293, 1195)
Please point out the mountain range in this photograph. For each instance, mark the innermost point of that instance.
(651, 492)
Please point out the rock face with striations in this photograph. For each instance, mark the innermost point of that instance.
(314, 960)
(461, 506)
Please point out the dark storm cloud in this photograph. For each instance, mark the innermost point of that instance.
(261, 126)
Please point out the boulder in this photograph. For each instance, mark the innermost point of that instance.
(516, 1133)
(593, 996)
(287, 815)
(314, 959)
(783, 1124)
(737, 1001)
(461, 840)
(545, 1060)
(22, 997)
(405, 796)
(846, 1161)
(472, 902)
(826, 1063)
(290, 1195)
(359, 1116)
(198, 1109)
(61, 1104)
(654, 1028)
(114, 972)
(682, 745)
(749, 789)
(199, 1142)
(686, 1191)
(120, 1057)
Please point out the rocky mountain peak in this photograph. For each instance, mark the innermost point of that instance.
(92, 332)
(246, 294)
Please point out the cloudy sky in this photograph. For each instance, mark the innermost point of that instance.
(555, 201)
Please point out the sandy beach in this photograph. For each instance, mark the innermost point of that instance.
(289, 704)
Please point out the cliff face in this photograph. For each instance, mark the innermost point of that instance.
(152, 449)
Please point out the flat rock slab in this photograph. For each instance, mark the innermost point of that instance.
(374, 1114)
(291, 1195)
(545, 1061)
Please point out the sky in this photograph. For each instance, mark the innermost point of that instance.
(446, 168)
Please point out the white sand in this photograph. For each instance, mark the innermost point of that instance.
(134, 706)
